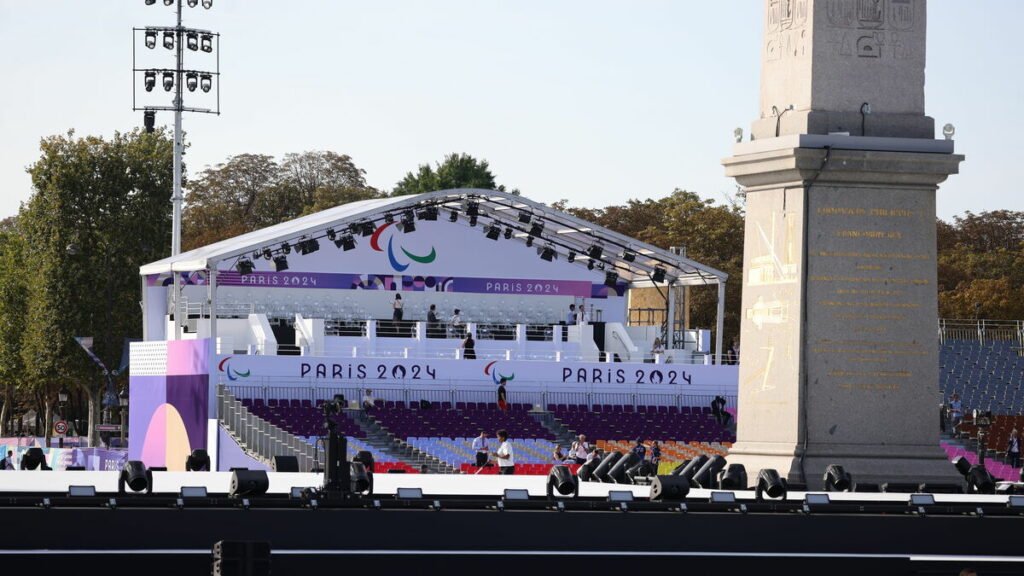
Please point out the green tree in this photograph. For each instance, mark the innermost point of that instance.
(98, 211)
(981, 259)
(253, 191)
(456, 171)
(13, 291)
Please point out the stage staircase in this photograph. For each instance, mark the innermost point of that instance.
(381, 439)
(259, 438)
(563, 436)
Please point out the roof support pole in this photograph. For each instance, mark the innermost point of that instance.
(719, 322)
(211, 299)
(670, 318)
(176, 296)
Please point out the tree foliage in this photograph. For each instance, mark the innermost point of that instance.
(253, 191)
(98, 211)
(981, 261)
(456, 171)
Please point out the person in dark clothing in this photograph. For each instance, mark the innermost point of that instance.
(469, 347)
(502, 400)
(1013, 449)
(640, 450)
(432, 322)
(718, 411)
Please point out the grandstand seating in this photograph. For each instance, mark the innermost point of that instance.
(663, 423)
(987, 375)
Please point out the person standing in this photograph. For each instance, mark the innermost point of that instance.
(368, 400)
(504, 455)
(1013, 449)
(399, 308)
(582, 315)
(656, 350)
(455, 324)
(956, 412)
(432, 321)
(8, 463)
(502, 398)
(481, 448)
(580, 449)
(570, 318)
(469, 347)
(655, 455)
(640, 450)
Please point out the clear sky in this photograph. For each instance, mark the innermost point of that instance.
(593, 101)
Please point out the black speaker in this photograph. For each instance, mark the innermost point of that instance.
(669, 488)
(617, 472)
(601, 472)
(241, 558)
(248, 483)
(706, 476)
(286, 463)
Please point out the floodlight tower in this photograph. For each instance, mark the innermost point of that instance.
(177, 38)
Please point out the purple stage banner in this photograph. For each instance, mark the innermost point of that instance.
(516, 286)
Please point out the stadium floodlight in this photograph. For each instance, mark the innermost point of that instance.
(150, 39)
(205, 82)
(168, 81)
(150, 80)
(244, 267)
(207, 42)
(169, 40)
(192, 41)
(191, 81)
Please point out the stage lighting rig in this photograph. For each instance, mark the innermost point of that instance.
(176, 79)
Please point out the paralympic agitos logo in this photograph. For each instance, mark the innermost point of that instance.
(497, 378)
(231, 372)
(394, 258)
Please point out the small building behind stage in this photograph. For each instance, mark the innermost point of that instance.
(382, 294)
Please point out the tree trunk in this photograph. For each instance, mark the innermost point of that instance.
(47, 421)
(94, 403)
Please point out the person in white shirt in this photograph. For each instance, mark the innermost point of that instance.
(399, 307)
(481, 448)
(504, 455)
(455, 325)
(583, 315)
(580, 449)
(368, 400)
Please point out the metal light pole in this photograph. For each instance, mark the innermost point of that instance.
(123, 399)
(178, 38)
(62, 401)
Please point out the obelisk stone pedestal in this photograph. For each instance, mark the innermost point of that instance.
(838, 334)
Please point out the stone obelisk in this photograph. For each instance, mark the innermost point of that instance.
(839, 353)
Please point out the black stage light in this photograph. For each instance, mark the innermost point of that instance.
(205, 82)
(595, 251)
(244, 266)
(617, 473)
(836, 479)
(359, 477)
(169, 40)
(267, 254)
(150, 81)
(368, 228)
(207, 43)
(168, 81)
(586, 470)
(248, 483)
(193, 3)
(508, 233)
(611, 279)
(198, 461)
(628, 255)
(308, 246)
(34, 458)
(389, 218)
(192, 41)
(529, 241)
(980, 480)
(408, 216)
(963, 466)
(658, 275)
(492, 232)
(691, 468)
(708, 473)
(150, 2)
(734, 478)
(286, 248)
(601, 472)
(669, 488)
(769, 482)
(590, 264)
(207, 4)
(150, 39)
(191, 81)
(472, 221)
(331, 234)
(561, 479)
(679, 468)
(136, 477)
(453, 216)
(571, 257)
(429, 213)
(149, 120)
(279, 263)
(537, 228)
(524, 217)
(547, 254)
(472, 209)
(407, 227)
(347, 242)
